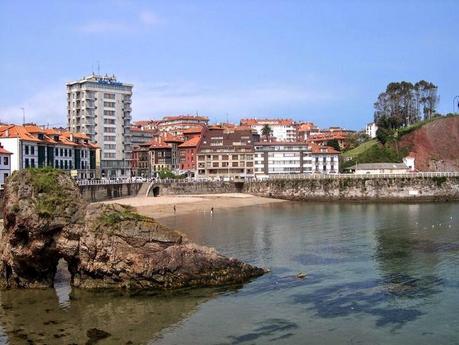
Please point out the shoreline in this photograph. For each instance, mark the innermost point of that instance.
(163, 206)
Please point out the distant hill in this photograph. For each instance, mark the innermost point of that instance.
(435, 145)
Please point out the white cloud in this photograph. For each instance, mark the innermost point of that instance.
(141, 21)
(45, 107)
(154, 100)
(148, 18)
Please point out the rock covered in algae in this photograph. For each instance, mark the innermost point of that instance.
(45, 219)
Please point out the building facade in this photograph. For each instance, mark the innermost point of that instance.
(225, 155)
(34, 147)
(188, 154)
(176, 125)
(282, 158)
(277, 158)
(371, 129)
(100, 107)
(5, 165)
(282, 129)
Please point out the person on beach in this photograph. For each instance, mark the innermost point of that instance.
(175, 209)
(211, 210)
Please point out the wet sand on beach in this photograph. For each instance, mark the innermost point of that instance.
(163, 206)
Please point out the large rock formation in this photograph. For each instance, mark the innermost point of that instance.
(45, 219)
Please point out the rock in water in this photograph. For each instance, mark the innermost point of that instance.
(46, 219)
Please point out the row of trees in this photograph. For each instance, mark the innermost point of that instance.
(404, 103)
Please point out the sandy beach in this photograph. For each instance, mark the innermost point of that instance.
(163, 206)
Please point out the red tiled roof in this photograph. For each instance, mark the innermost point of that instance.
(5, 152)
(191, 143)
(252, 122)
(323, 149)
(193, 130)
(15, 131)
(185, 117)
(158, 145)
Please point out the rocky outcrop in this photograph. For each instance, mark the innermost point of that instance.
(45, 219)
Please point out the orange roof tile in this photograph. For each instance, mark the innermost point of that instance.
(193, 142)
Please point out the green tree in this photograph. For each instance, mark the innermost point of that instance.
(334, 143)
(266, 131)
(404, 104)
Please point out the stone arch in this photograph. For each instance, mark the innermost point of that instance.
(153, 190)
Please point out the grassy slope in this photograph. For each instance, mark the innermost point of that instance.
(360, 149)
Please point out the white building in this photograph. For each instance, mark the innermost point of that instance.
(5, 165)
(35, 147)
(380, 168)
(276, 158)
(371, 130)
(282, 129)
(100, 107)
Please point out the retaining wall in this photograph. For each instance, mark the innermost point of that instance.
(359, 189)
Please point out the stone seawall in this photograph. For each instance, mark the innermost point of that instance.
(359, 189)
(110, 191)
(184, 188)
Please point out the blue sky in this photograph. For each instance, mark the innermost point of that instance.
(321, 61)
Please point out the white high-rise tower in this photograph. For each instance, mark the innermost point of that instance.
(100, 106)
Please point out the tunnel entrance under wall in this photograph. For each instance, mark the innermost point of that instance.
(153, 191)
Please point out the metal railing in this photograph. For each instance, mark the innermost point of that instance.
(271, 177)
(359, 176)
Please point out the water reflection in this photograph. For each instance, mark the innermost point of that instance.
(37, 317)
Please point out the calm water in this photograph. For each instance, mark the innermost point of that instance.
(375, 274)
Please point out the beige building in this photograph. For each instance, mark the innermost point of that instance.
(226, 155)
(100, 107)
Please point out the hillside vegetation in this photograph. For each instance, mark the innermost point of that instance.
(433, 143)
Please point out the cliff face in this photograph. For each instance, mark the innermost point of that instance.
(434, 145)
(46, 219)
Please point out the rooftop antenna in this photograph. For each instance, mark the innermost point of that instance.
(23, 115)
(98, 68)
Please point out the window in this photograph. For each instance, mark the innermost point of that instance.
(70, 153)
(62, 164)
(66, 165)
(109, 104)
(109, 130)
(109, 112)
(225, 157)
(62, 152)
(108, 147)
(27, 162)
(234, 157)
(234, 164)
(56, 163)
(109, 121)
(5, 160)
(215, 165)
(32, 162)
(56, 152)
(32, 150)
(65, 152)
(26, 150)
(109, 95)
(215, 157)
(109, 138)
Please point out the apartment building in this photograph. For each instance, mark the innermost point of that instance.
(277, 158)
(142, 136)
(141, 162)
(282, 129)
(100, 107)
(160, 157)
(5, 165)
(282, 158)
(35, 147)
(175, 125)
(188, 153)
(226, 155)
(325, 159)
